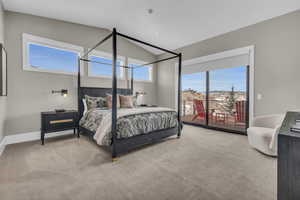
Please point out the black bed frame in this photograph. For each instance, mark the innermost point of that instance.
(120, 146)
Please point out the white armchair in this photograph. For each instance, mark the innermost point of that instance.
(264, 133)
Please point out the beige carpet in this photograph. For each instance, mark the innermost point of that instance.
(203, 164)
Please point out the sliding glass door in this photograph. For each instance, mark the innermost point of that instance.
(228, 98)
(194, 98)
(216, 98)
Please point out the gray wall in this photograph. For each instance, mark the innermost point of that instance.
(30, 92)
(3, 100)
(277, 63)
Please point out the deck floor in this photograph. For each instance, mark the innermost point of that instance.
(229, 123)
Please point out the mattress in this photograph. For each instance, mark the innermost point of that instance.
(131, 122)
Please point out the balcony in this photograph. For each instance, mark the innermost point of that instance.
(218, 115)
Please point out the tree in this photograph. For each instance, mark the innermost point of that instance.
(230, 101)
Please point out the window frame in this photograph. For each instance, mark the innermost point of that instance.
(140, 62)
(105, 55)
(41, 41)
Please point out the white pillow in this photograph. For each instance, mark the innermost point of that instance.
(85, 106)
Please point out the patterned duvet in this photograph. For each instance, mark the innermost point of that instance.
(131, 122)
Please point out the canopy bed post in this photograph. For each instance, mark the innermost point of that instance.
(78, 84)
(179, 95)
(114, 95)
(96, 45)
(131, 82)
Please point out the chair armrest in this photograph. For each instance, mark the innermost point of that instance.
(274, 139)
(268, 121)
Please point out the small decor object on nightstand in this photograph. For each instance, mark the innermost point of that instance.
(58, 121)
(295, 128)
(60, 110)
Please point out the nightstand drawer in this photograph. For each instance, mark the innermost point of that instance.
(59, 122)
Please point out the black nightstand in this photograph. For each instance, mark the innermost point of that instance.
(58, 121)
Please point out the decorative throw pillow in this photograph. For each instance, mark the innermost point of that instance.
(109, 101)
(84, 106)
(126, 101)
(95, 102)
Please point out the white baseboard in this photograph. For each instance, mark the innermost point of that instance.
(26, 137)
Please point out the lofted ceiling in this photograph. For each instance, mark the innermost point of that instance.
(173, 23)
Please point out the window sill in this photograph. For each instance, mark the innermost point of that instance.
(32, 69)
(105, 77)
(142, 81)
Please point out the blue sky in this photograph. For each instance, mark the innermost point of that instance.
(221, 79)
(54, 59)
(102, 69)
(140, 73)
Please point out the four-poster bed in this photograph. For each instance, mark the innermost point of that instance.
(121, 145)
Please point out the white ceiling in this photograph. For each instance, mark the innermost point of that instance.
(173, 24)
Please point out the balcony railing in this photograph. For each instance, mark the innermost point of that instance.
(218, 115)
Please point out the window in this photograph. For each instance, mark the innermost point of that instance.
(143, 73)
(102, 65)
(45, 55)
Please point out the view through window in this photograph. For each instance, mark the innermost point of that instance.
(104, 70)
(52, 59)
(141, 73)
(227, 98)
